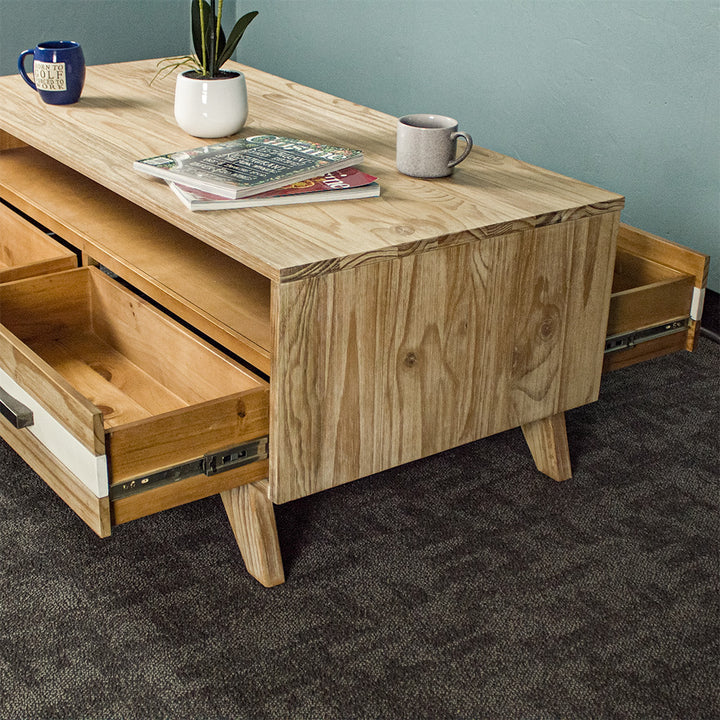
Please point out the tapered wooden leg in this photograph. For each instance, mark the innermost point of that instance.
(547, 440)
(252, 518)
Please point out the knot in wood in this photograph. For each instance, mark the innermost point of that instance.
(101, 370)
(410, 359)
(547, 328)
(548, 324)
(404, 229)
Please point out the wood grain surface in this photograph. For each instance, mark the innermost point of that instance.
(393, 361)
(121, 118)
(252, 519)
(220, 297)
(438, 313)
(25, 250)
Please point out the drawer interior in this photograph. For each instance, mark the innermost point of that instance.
(633, 271)
(140, 392)
(119, 352)
(656, 299)
(220, 297)
(25, 250)
(646, 293)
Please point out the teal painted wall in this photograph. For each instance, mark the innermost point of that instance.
(623, 94)
(620, 93)
(108, 30)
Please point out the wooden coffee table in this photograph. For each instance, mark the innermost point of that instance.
(341, 338)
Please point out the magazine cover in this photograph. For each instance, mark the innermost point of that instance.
(248, 166)
(339, 185)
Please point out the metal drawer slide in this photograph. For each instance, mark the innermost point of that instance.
(623, 341)
(209, 464)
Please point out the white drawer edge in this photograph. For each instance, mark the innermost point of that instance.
(89, 468)
(698, 300)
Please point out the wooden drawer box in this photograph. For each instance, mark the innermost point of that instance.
(26, 250)
(131, 413)
(657, 297)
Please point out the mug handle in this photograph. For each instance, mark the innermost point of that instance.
(468, 147)
(21, 67)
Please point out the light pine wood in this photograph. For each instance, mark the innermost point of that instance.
(665, 252)
(159, 346)
(645, 351)
(393, 328)
(57, 396)
(121, 118)
(634, 271)
(691, 337)
(164, 440)
(650, 304)
(654, 283)
(170, 266)
(84, 315)
(26, 251)
(121, 391)
(89, 468)
(184, 491)
(164, 395)
(547, 440)
(394, 361)
(92, 510)
(42, 307)
(671, 256)
(252, 518)
(8, 142)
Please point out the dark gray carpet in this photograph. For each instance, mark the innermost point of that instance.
(465, 586)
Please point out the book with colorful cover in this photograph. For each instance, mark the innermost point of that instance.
(339, 185)
(249, 166)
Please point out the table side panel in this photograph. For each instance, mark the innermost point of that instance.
(402, 359)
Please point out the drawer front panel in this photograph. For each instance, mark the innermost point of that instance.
(88, 468)
(177, 437)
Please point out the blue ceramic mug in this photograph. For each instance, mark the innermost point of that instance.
(58, 71)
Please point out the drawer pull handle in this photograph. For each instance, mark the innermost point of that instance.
(18, 414)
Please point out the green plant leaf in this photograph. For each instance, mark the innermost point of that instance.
(169, 65)
(202, 41)
(234, 38)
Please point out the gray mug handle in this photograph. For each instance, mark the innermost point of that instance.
(468, 146)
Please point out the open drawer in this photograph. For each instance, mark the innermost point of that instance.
(121, 410)
(25, 250)
(657, 298)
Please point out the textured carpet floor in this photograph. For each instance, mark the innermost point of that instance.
(464, 586)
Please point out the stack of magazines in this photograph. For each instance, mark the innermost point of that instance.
(261, 170)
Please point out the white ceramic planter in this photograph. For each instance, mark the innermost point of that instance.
(211, 108)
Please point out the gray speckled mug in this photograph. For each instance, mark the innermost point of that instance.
(426, 145)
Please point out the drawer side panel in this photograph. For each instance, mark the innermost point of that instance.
(25, 250)
(70, 409)
(173, 438)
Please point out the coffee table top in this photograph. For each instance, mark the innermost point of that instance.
(121, 118)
